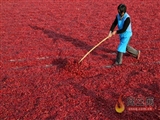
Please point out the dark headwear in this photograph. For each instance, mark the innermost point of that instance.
(122, 8)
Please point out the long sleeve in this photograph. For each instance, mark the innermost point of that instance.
(125, 26)
(114, 24)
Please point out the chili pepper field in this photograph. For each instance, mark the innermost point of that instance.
(41, 43)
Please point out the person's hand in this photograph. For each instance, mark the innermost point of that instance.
(110, 34)
(114, 32)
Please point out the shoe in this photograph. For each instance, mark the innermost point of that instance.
(139, 53)
(119, 58)
(116, 63)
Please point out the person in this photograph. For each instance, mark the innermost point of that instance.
(125, 33)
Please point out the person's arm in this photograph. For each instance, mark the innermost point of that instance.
(125, 26)
(112, 27)
(114, 24)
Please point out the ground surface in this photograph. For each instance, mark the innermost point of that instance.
(41, 42)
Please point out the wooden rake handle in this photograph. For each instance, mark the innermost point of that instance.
(93, 49)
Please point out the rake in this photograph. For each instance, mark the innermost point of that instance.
(92, 49)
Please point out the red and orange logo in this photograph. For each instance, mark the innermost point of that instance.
(120, 107)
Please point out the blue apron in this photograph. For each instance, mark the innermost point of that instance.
(124, 37)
